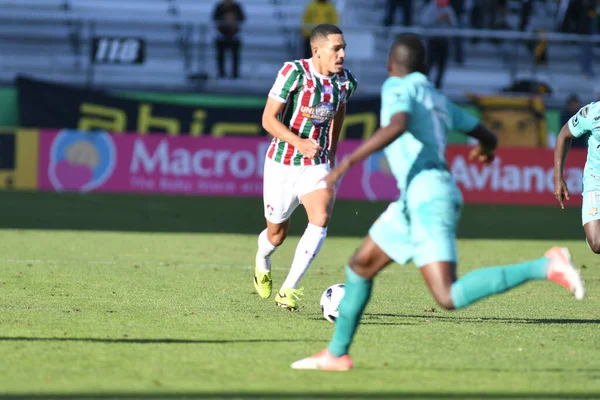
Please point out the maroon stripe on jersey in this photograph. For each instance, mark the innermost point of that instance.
(303, 100)
(286, 69)
(317, 129)
(272, 148)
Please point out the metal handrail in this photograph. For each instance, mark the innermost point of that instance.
(88, 24)
(152, 19)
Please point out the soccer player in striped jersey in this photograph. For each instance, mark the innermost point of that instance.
(304, 113)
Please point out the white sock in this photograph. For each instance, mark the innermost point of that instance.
(265, 249)
(308, 248)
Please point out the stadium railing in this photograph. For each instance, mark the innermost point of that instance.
(180, 46)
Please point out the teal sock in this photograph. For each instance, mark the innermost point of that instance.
(356, 298)
(485, 282)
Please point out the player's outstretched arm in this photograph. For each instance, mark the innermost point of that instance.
(380, 139)
(334, 132)
(464, 122)
(563, 145)
(484, 151)
(308, 147)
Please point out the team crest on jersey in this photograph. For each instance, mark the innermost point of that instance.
(343, 94)
(593, 211)
(319, 114)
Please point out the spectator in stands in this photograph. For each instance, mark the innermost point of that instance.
(438, 14)
(579, 17)
(459, 8)
(489, 14)
(538, 47)
(571, 108)
(483, 14)
(316, 12)
(390, 11)
(228, 16)
(525, 14)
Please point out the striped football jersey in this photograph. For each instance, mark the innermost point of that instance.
(311, 101)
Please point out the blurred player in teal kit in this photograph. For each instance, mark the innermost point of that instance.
(421, 225)
(583, 125)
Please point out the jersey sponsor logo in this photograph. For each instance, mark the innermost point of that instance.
(328, 89)
(319, 114)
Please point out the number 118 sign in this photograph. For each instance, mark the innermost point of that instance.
(118, 50)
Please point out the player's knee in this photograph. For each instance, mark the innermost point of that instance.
(362, 266)
(594, 244)
(356, 262)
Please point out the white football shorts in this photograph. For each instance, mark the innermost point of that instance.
(284, 186)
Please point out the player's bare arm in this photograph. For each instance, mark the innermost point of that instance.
(334, 132)
(563, 145)
(380, 139)
(308, 147)
(484, 150)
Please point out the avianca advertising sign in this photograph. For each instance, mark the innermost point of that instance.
(71, 160)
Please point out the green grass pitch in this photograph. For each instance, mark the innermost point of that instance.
(111, 296)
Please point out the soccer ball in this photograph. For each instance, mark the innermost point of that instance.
(330, 301)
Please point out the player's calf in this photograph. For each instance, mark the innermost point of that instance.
(592, 234)
(594, 244)
(318, 205)
(319, 219)
(444, 299)
(277, 233)
(439, 277)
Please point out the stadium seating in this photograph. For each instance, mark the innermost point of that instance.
(50, 39)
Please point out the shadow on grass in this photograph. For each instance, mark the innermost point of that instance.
(447, 318)
(152, 213)
(302, 395)
(371, 322)
(151, 341)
